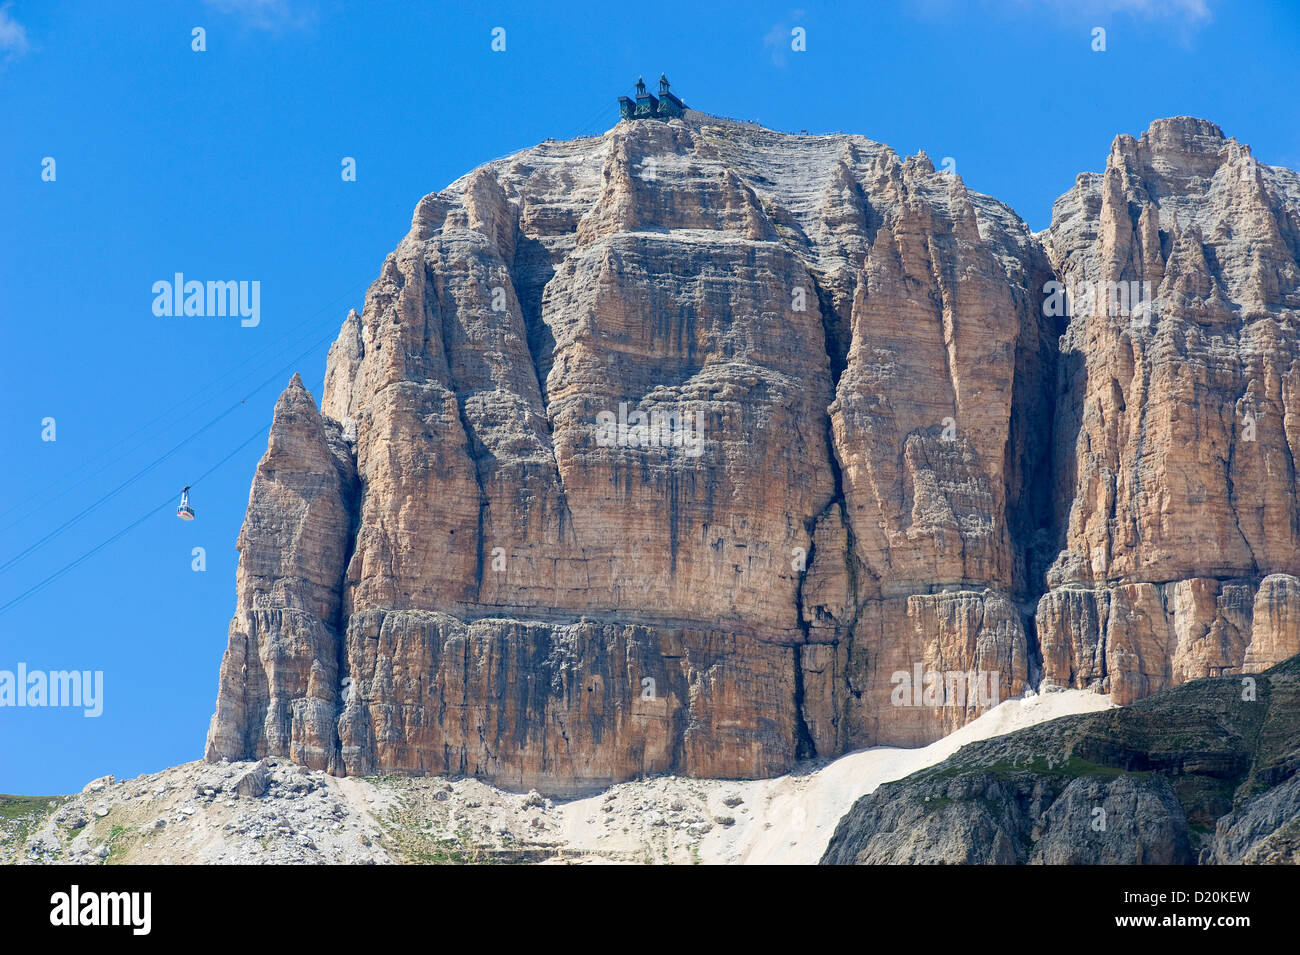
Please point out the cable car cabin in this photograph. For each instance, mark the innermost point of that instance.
(184, 511)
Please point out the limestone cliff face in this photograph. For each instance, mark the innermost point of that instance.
(279, 688)
(671, 450)
(1178, 432)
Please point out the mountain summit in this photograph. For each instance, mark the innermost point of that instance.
(702, 448)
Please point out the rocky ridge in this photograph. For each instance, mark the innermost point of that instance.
(1204, 772)
(873, 449)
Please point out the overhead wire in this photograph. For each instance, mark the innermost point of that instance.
(273, 350)
(599, 118)
(67, 568)
(80, 515)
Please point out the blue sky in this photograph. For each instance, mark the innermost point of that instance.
(225, 164)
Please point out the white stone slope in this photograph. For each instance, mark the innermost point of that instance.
(790, 819)
(275, 812)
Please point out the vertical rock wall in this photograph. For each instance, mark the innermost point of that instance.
(1177, 433)
(865, 457)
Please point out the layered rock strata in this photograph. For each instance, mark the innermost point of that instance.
(1177, 428)
(702, 448)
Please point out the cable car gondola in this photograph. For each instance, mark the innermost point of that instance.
(185, 512)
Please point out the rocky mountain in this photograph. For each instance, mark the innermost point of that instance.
(1177, 424)
(1203, 772)
(701, 448)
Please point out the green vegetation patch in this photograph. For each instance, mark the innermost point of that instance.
(1074, 767)
(21, 807)
(19, 815)
(120, 838)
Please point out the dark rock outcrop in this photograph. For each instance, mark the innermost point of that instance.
(1206, 771)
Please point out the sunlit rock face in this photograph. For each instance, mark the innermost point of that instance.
(1177, 430)
(702, 448)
